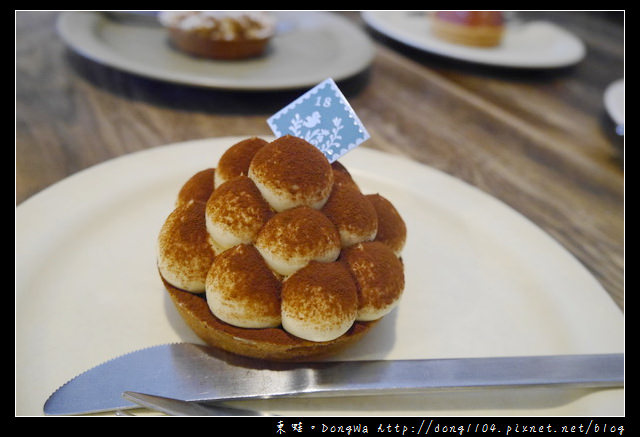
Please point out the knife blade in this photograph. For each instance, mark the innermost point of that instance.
(193, 372)
(177, 407)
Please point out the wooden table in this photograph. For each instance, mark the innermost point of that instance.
(540, 141)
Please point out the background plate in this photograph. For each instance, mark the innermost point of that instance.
(614, 101)
(309, 48)
(525, 45)
(481, 280)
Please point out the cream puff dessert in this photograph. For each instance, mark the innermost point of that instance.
(275, 253)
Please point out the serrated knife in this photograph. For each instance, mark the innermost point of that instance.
(194, 372)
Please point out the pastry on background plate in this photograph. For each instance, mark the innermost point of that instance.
(280, 257)
(219, 34)
(471, 28)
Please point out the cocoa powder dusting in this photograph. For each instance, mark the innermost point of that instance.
(188, 227)
(247, 278)
(293, 165)
(392, 229)
(321, 291)
(350, 210)
(239, 205)
(198, 188)
(299, 230)
(184, 239)
(377, 271)
(235, 161)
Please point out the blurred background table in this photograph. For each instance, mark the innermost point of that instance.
(539, 140)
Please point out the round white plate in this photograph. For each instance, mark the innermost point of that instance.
(481, 280)
(309, 48)
(614, 101)
(525, 45)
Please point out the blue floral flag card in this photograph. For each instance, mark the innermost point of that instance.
(323, 117)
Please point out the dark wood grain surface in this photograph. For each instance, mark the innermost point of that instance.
(540, 141)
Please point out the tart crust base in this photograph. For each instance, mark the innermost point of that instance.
(274, 344)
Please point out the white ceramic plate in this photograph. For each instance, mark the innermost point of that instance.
(309, 48)
(526, 45)
(614, 101)
(481, 280)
